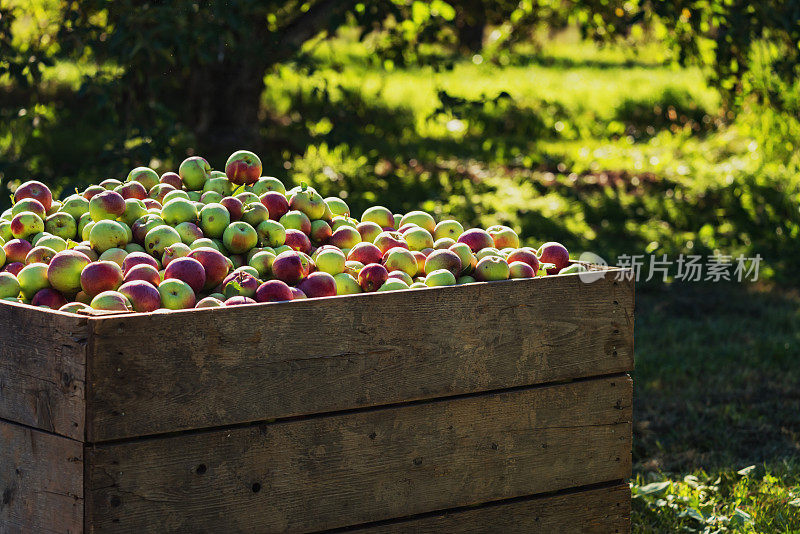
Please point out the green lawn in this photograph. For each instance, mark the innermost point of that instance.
(717, 409)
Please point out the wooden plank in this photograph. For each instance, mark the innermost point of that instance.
(602, 510)
(42, 369)
(163, 372)
(355, 468)
(41, 481)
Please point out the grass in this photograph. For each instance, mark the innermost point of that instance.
(717, 412)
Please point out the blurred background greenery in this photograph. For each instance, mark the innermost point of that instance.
(620, 127)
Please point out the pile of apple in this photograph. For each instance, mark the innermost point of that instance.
(203, 238)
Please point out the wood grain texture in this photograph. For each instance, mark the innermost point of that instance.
(42, 369)
(603, 510)
(41, 481)
(349, 469)
(164, 372)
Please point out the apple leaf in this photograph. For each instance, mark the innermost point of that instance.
(71, 244)
(303, 186)
(238, 190)
(12, 200)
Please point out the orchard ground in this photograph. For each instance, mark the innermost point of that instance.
(611, 150)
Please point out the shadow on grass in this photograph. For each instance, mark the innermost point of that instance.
(716, 380)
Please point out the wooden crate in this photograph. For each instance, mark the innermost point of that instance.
(478, 408)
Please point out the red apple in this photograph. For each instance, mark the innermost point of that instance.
(239, 300)
(243, 167)
(345, 237)
(372, 277)
(132, 190)
(240, 283)
(555, 253)
(173, 179)
(214, 263)
(101, 276)
(388, 240)
(189, 270)
(318, 284)
(143, 272)
(476, 239)
(92, 190)
(234, 207)
(368, 230)
(143, 296)
(365, 253)
(16, 250)
(289, 267)
(297, 240)
(526, 255)
(320, 231)
(273, 291)
(138, 258)
(14, 267)
(443, 259)
(35, 190)
(276, 204)
(520, 269)
(49, 297)
(298, 294)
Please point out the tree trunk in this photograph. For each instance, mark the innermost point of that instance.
(470, 25)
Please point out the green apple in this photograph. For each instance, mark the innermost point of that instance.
(239, 237)
(262, 262)
(338, 206)
(214, 219)
(134, 209)
(267, 183)
(194, 172)
(62, 225)
(271, 233)
(211, 197)
(219, 185)
(172, 195)
(75, 205)
(379, 215)
(442, 277)
(117, 255)
(52, 241)
(465, 280)
(420, 218)
(9, 286)
(159, 238)
(106, 234)
(448, 228)
(346, 284)
(189, 232)
(176, 294)
(26, 224)
(204, 242)
(111, 301)
(491, 268)
(418, 239)
(179, 210)
(393, 284)
(255, 213)
(418, 285)
(145, 176)
(32, 278)
(488, 251)
(330, 260)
